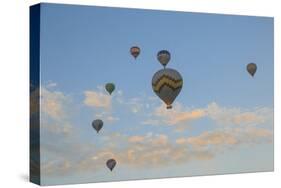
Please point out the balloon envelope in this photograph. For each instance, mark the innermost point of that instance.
(111, 163)
(135, 51)
(97, 124)
(167, 84)
(110, 87)
(252, 68)
(164, 57)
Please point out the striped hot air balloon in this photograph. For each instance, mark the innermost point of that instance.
(167, 84)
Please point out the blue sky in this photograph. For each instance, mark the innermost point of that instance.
(222, 116)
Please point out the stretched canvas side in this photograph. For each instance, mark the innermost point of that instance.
(35, 94)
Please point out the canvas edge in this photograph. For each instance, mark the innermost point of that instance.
(34, 94)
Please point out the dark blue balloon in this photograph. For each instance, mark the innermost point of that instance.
(97, 124)
(111, 163)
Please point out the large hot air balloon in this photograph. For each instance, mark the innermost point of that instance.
(135, 51)
(252, 68)
(111, 164)
(97, 125)
(167, 84)
(110, 87)
(164, 57)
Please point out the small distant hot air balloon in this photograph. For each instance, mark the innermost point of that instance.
(111, 163)
(252, 68)
(167, 84)
(110, 87)
(135, 51)
(97, 125)
(164, 57)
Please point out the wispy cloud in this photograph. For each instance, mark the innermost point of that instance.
(158, 149)
(175, 116)
(238, 116)
(52, 103)
(51, 84)
(54, 111)
(229, 137)
(103, 105)
(135, 104)
(209, 138)
(155, 150)
(154, 140)
(180, 116)
(136, 139)
(148, 149)
(106, 116)
(138, 150)
(97, 99)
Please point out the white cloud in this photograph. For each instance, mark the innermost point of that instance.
(151, 122)
(228, 137)
(141, 104)
(62, 166)
(51, 84)
(136, 105)
(54, 107)
(138, 150)
(151, 149)
(154, 140)
(52, 103)
(209, 138)
(97, 99)
(107, 117)
(180, 116)
(238, 116)
(136, 138)
(112, 119)
(56, 127)
(103, 104)
(177, 116)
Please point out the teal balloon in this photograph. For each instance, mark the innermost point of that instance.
(110, 87)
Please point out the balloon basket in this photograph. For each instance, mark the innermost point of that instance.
(169, 107)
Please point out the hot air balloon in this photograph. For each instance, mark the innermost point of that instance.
(97, 125)
(111, 164)
(135, 51)
(110, 87)
(167, 84)
(252, 68)
(164, 57)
